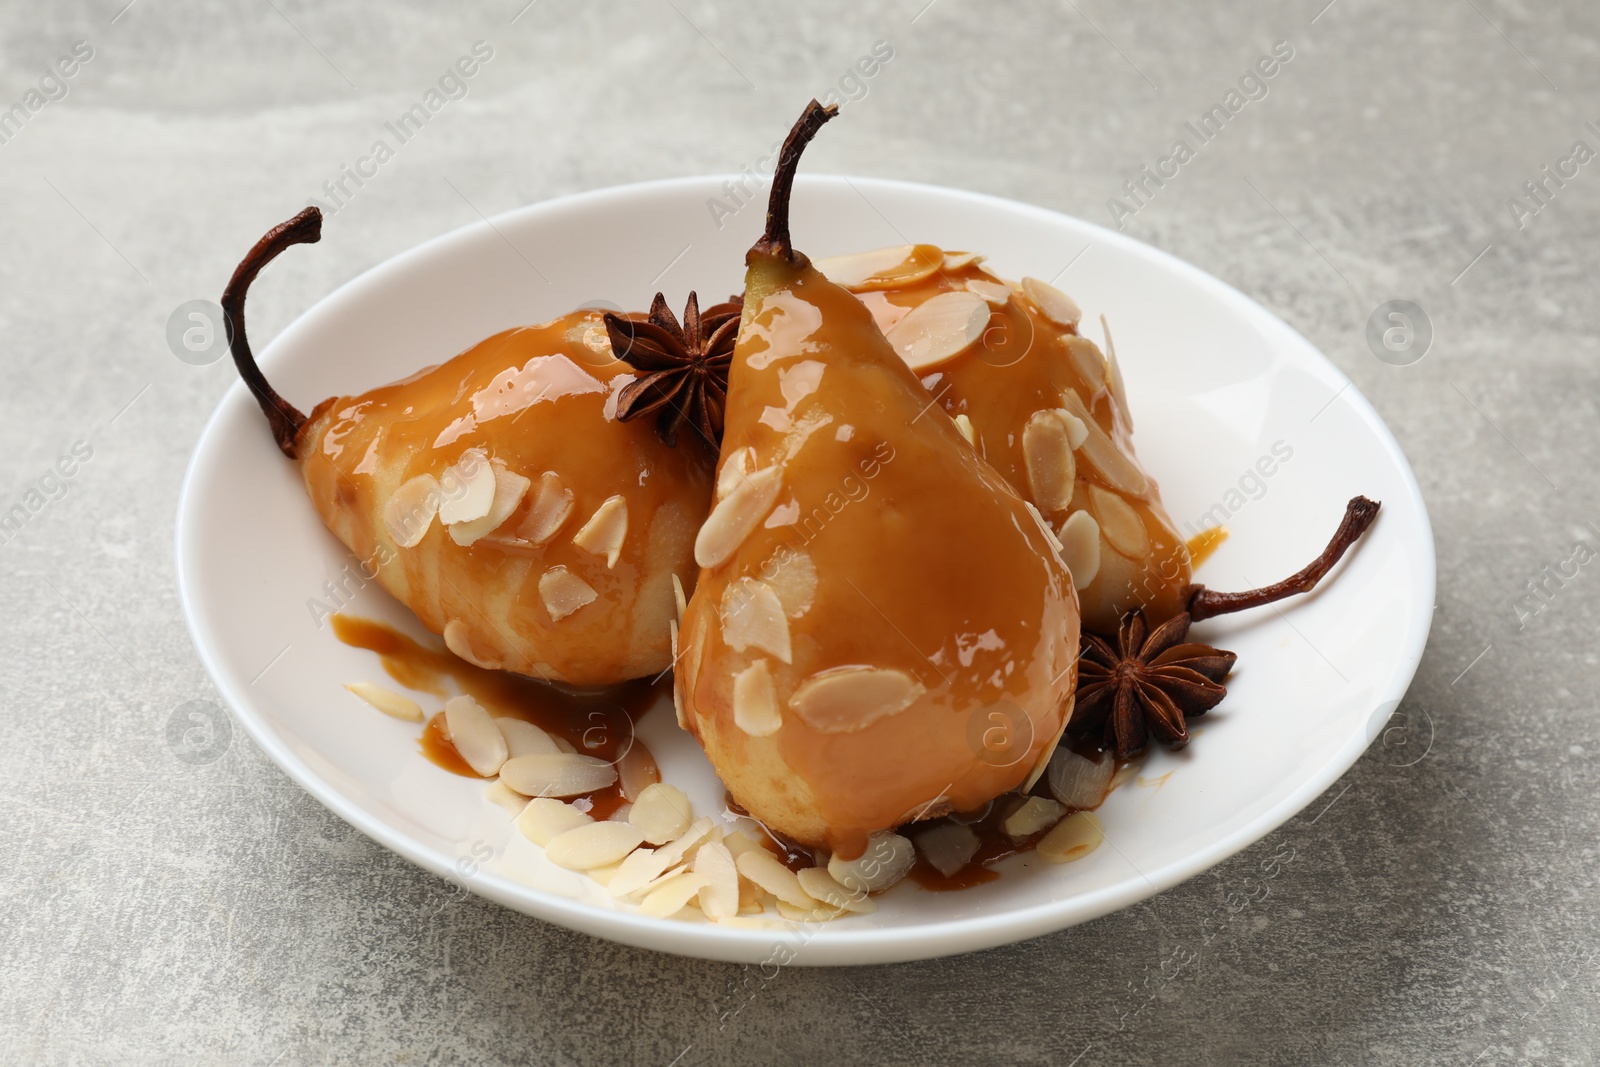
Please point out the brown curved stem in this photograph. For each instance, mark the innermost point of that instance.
(775, 241)
(1358, 516)
(284, 418)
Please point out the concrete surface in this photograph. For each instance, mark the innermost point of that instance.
(1440, 911)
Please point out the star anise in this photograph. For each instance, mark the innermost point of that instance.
(683, 369)
(1151, 683)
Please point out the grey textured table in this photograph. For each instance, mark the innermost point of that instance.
(1435, 910)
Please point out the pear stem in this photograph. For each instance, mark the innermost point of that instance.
(284, 418)
(1358, 516)
(775, 241)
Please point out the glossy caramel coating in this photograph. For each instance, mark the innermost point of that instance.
(535, 399)
(1023, 363)
(895, 550)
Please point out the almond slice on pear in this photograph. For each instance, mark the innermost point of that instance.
(939, 329)
(411, 509)
(606, 530)
(466, 488)
(509, 489)
(846, 699)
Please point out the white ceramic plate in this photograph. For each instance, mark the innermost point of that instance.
(1215, 382)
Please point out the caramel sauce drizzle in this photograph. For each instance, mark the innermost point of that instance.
(596, 722)
(1203, 544)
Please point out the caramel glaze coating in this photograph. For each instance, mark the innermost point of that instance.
(537, 399)
(891, 545)
(1022, 364)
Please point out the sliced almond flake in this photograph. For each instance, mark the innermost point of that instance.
(458, 639)
(466, 488)
(509, 489)
(606, 530)
(739, 842)
(552, 505)
(679, 601)
(719, 896)
(642, 871)
(1087, 360)
(523, 738)
(593, 845)
(751, 898)
(604, 875)
(501, 797)
(662, 813)
(1036, 814)
(678, 707)
(753, 617)
(1102, 454)
(817, 913)
(995, 294)
(636, 772)
(939, 329)
(768, 872)
(1047, 454)
(1080, 548)
(1045, 526)
(672, 894)
(845, 699)
(957, 260)
(1077, 432)
(734, 470)
(621, 812)
(410, 510)
(1121, 525)
(882, 268)
(755, 702)
(735, 515)
(564, 592)
(557, 774)
(820, 884)
(1073, 838)
(851, 270)
(1119, 391)
(1079, 782)
(886, 860)
(474, 735)
(564, 745)
(794, 578)
(1056, 306)
(948, 847)
(964, 424)
(683, 849)
(387, 701)
(545, 819)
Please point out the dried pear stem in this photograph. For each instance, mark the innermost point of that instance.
(1358, 516)
(284, 418)
(775, 241)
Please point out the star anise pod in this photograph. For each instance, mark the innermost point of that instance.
(1150, 683)
(683, 369)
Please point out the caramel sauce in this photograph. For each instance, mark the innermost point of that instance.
(597, 723)
(1022, 364)
(1204, 543)
(541, 401)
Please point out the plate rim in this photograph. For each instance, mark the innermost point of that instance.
(827, 945)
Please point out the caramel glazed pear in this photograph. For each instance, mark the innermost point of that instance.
(498, 496)
(841, 675)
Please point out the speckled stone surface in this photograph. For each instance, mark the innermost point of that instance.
(1442, 909)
